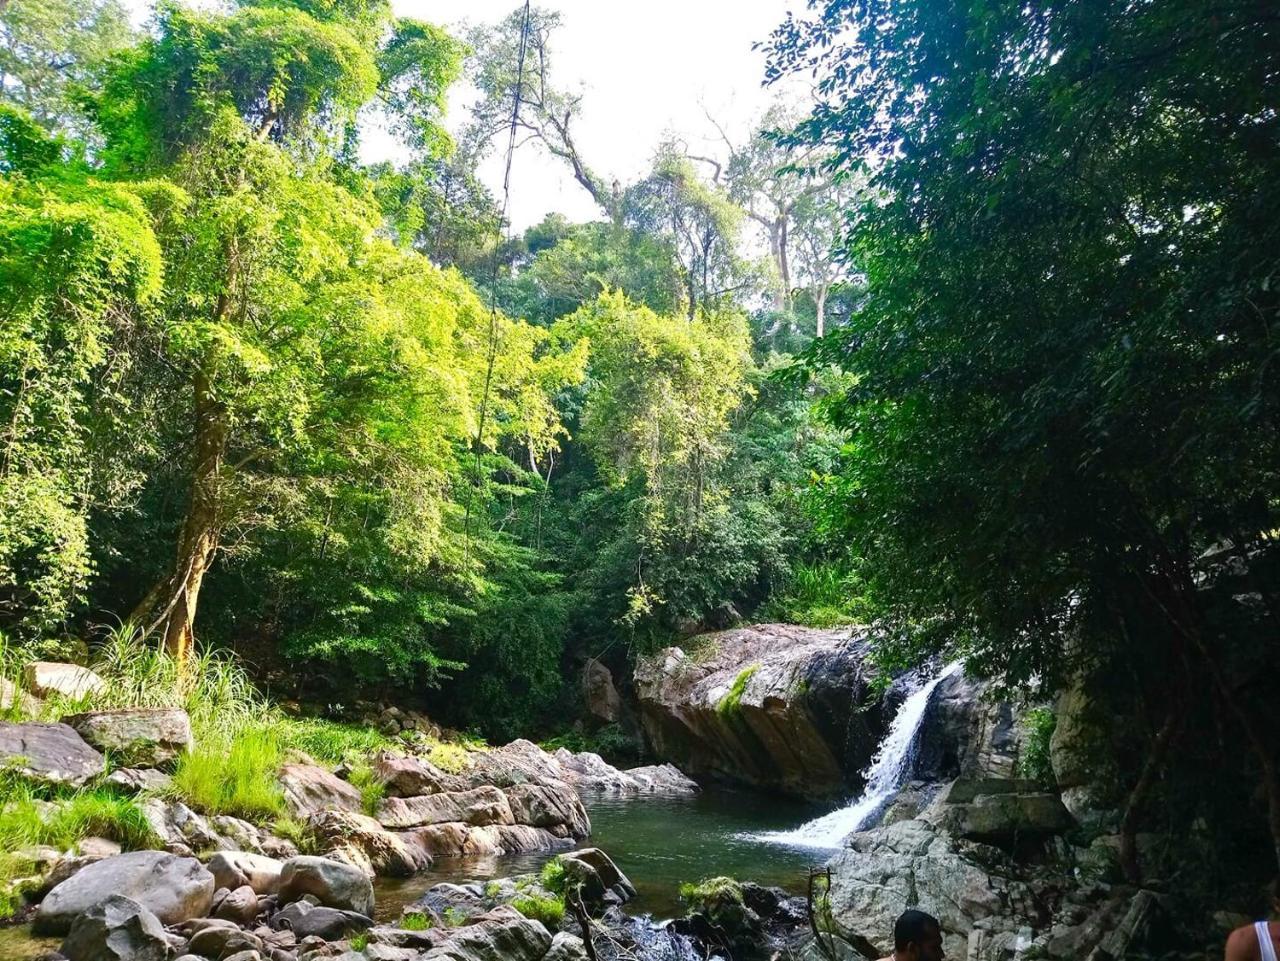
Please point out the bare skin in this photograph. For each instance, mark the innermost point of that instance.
(1242, 943)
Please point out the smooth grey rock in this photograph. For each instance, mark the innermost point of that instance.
(116, 929)
(550, 804)
(330, 924)
(233, 869)
(170, 887)
(49, 678)
(590, 773)
(218, 942)
(136, 736)
(49, 753)
(566, 947)
(333, 883)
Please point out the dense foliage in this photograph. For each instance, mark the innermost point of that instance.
(1062, 452)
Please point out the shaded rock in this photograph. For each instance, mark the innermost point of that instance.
(137, 736)
(172, 888)
(566, 947)
(309, 789)
(479, 806)
(333, 883)
(220, 942)
(95, 847)
(964, 733)
(182, 829)
(363, 842)
(234, 869)
(240, 905)
(597, 876)
(549, 804)
(410, 776)
(132, 780)
(404, 938)
(67, 867)
(330, 924)
(502, 934)
(116, 929)
(599, 693)
(1079, 767)
(590, 773)
(48, 753)
(998, 812)
(773, 705)
(47, 678)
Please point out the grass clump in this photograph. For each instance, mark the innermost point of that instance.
(330, 742)
(553, 876)
(359, 941)
(232, 773)
(731, 703)
(549, 911)
(709, 892)
(371, 787)
(415, 921)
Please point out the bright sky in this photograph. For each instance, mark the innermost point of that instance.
(645, 68)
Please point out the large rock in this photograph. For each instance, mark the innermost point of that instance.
(332, 883)
(362, 842)
(479, 806)
(599, 693)
(1082, 759)
(116, 929)
(596, 876)
(501, 935)
(1009, 813)
(915, 864)
(49, 678)
(234, 869)
(136, 736)
(170, 887)
(13, 698)
(966, 733)
(410, 776)
(552, 804)
(592, 774)
(309, 789)
(774, 705)
(49, 753)
(515, 763)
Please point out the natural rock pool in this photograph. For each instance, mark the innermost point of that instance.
(659, 842)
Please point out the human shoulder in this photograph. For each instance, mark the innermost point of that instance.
(1242, 945)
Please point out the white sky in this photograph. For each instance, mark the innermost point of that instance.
(644, 67)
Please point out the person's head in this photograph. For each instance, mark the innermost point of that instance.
(917, 937)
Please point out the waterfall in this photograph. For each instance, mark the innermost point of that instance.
(889, 768)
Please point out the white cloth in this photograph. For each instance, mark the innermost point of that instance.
(1265, 944)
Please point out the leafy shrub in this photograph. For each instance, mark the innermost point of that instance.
(611, 742)
(371, 787)
(550, 911)
(1035, 761)
(553, 876)
(821, 594)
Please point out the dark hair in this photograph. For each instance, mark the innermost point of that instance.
(913, 926)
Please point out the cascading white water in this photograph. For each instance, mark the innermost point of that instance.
(884, 776)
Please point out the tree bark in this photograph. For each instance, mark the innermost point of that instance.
(1136, 804)
(200, 529)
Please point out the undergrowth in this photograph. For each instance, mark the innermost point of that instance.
(549, 911)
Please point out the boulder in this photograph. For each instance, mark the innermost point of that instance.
(240, 905)
(550, 804)
(410, 776)
(598, 875)
(182, 829)
(309, 921)
(566, 947)
(170, 887)
(773, 705)
(133, 780)
(519, 762)
(234, 869)
(502, 934)
(309, 789)
(599, 693)
(49, 678)
(116, 929)
(1001, 812)
(479, 806)
(590, 773)
(361, 841)
(136, 736)
(966, 733)
(1080, 767)
(49, 753)
(222, 942)
(332, 883)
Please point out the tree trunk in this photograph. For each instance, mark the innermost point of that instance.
(202, 526)
(1128, 854)
(821, 302)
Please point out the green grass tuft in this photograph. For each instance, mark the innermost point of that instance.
(709, 891)
(549, 911)
(553, 877)
(416, 921)
(731, 703)
(372, 789)
(232, 774)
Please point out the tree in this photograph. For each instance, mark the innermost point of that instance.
(53, 52)
(1065, 390)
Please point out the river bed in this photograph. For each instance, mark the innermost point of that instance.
(658, 842)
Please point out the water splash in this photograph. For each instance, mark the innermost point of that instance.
(889, 768)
